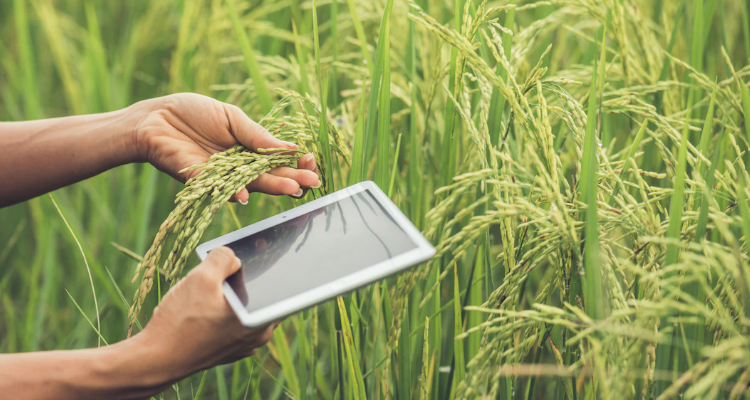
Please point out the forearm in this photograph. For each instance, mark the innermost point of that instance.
(44, 155)
(126, 370)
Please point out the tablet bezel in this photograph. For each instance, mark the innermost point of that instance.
(347, 283)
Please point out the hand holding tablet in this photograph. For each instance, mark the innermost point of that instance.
(318, 251)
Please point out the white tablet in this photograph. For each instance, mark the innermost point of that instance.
(318, 251)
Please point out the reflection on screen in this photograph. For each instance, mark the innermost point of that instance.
(316, 248)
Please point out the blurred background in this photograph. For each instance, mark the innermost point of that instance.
(68, 57)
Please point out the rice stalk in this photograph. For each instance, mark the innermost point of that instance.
(225, 174)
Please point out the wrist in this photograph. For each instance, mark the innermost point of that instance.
(137, 129)
(134, 368)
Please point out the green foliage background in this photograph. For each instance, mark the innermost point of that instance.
(536, 158)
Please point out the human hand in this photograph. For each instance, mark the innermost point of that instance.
(195, 328)
(185, 129)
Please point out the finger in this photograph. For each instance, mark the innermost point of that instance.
(240, 197)
(249, 133)
(303, 177)
(275, 185)
(220, 263)
(308, 162)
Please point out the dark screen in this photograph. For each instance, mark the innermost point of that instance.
(316, 248)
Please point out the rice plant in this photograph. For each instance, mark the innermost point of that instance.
(580, 166)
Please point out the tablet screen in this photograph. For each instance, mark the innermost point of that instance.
(311, 250)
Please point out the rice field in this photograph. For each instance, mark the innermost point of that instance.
(580, 166)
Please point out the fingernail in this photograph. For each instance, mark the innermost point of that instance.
(308, 160)
(243, 202)
(289, 145)
(318, 185)
(238, 260)
(298, 194)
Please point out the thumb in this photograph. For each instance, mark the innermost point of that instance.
(220, 263)
(249, 133)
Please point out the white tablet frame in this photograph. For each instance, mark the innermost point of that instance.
(423, 252)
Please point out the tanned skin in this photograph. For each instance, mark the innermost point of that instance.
(193, 328)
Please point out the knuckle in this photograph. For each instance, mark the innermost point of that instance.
(222, 255)
(233, 109)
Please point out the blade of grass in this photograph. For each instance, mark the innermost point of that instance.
(694, 338)
(301, 60)
(147, 185)
(665, 355)
(745, 28)
(200, 386)
(221, 384)
(475, 297)
(415, 161)
(280, 348)
(259, 81)
(127, 252)
(335, 52)
(594, 295)
(395, 167)
(677, 199)
(497, 102)
(98, 333)
(745, 93)
(355, 374)
(376, 86)
(706, 133)
(85, 261)
(384, 110)
(458, 344)
(631, 153)
(670, 48)
(302, 358)
(316, 45)
(357, 173)
(99, 56)
(745, 213)
(324, 143)
(27, 65)
(126, 305)
(709, 178)
(361, 35)
(449, 151)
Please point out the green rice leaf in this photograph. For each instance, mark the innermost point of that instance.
(592, 283)
(355, 374)
(360, 34)
(384, 112)
(281, 346)
(631, 153)
(357, 173)
(376, 83)
(264, 96)
(395, 167)
(458, 344)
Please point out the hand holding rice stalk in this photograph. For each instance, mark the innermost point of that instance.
(224, 175)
